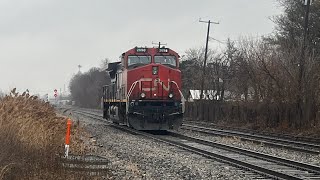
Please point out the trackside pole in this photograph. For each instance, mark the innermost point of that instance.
(66, 147)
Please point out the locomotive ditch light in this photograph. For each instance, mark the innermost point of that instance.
(170, 95)
(142, 95)
(155, 70)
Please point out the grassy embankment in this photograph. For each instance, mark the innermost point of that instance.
(32, 139)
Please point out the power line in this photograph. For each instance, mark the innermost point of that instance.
(217, 40)
(237, 41)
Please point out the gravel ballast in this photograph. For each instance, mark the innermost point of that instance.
(137, 157)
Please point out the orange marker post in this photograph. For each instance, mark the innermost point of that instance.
(66, 147)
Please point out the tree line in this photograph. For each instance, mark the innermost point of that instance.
(86, 88)
(281, 71)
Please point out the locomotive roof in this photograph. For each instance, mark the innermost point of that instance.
(142, 50)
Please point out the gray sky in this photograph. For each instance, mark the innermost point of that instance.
(43, 41)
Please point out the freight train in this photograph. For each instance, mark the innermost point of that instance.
(145, 90)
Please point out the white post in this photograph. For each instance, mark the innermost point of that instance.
(66, 150)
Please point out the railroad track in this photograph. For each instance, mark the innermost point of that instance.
(262, 165)
(250, 131)
(286, 143)
(301, 146)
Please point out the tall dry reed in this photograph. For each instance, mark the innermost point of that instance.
(32, 139)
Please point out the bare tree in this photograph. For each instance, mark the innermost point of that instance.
(290, 25)
(266, 72)
(1, 94)
(86, 88)
(104, 63)
(191, 68)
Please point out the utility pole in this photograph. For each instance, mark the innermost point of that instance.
(205, 56)
(305, 39)
(306, 25)
(307, 4)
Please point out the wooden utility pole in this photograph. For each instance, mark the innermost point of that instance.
(205, 56)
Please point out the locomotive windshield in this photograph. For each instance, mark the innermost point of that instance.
(138, 60)
(166, 60)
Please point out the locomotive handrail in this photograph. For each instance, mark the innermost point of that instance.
(182, 97)
(183, 100)
(131, 89)
(129, 94)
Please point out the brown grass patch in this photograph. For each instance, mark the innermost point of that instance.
(32, 139)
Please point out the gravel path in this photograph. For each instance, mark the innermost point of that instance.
(136, 157)
(234, 141)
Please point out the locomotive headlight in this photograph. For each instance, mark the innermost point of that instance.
(170, 95)
(142, 95)
(155, 70)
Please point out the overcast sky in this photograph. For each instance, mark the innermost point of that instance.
(43, 41)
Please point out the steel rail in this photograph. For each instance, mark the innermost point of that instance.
(251, 131)
(272, 141)
(278, 139)
(291, 163)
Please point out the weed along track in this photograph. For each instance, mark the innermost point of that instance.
(257, 164)
(32, 139)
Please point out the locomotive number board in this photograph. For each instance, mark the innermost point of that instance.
(163, 50)
(141, 50)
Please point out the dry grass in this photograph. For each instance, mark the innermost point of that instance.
(32, 139)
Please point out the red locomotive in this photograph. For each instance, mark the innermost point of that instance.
(145, 90)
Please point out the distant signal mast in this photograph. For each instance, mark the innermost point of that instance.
(79, 66)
